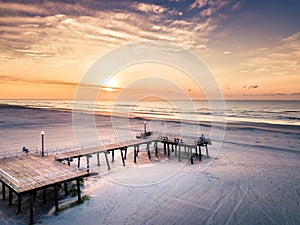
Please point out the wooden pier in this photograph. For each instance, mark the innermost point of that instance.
(29, 173)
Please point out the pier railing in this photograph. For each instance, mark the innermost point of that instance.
(127, 139)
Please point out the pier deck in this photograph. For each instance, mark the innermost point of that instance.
(32, 172)
(103, 148)
(29, 173)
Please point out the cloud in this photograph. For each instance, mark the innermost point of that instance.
(49, 40)
(296, 93)
(60, 29)
(14, 8)
(251, 87)
(213, 6)
(281, 59)
(149, 8)
(56, 82)
(236, 6)
(227, 52)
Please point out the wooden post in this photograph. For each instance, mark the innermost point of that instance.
(165, 148)
(134, 154)
(66, 188)
(88, 163)
(156, 150)
(168, 150)
(3, 190)
(56, 197)
(176, 150)
(137, 150)
(125, 156)
(148, 149)
(149, 154)
(44, 197)
(179, 154)
(172, 147)
(19, 203)
(78, 166)
(107, 162)
(113, 155)
(10, 193)
(206, 151)
(122, 156)
(98, 159)
(31, 209)
(200, 154)
(78, 190)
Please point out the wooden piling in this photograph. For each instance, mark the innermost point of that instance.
(200, 154)
(107, 162)
(3, 190)
(44, 197)
(148, 150)
(98, 159)
(149, 154)
(78, 190)
(78, 163)
(56, 198)
(122, 156)
(66, 188)
(134, 154)
(125, 156)
(19, 203)
(10, 194)
(112, 155)
(88, 163)
(206, 151)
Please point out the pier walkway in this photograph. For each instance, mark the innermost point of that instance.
(30, 173)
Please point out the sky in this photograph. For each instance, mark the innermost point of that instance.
(252, 47)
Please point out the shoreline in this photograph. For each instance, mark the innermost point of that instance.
(227, 124)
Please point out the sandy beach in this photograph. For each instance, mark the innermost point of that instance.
(253, 179)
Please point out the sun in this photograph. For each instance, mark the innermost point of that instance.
(111, 85)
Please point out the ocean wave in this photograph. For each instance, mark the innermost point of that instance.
(272, 112)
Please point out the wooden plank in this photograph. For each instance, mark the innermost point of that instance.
(25, 173)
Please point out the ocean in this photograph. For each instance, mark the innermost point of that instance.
(233, 111)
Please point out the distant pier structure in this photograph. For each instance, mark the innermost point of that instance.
(29, 173)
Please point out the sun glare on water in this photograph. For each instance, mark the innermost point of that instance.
(111, 85)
